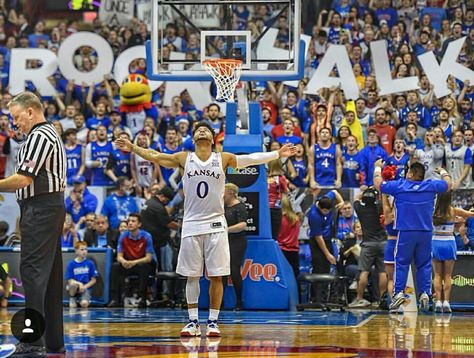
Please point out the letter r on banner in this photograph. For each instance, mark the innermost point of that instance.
(19, 73)
(438, 73)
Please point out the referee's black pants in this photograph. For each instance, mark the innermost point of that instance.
(41, 265)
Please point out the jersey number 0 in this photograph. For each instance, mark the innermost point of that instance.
(199, 189)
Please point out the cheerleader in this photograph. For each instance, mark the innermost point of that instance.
(444, 248)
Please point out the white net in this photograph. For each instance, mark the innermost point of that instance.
(226, 74)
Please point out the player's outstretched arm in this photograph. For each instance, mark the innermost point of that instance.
(165, 160)
(246, 160)
(378, 174)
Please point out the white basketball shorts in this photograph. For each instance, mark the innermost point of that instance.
(211, 250)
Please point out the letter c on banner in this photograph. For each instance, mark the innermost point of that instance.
(105, 57)
(123, 61)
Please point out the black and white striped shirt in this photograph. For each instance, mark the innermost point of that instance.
(43, 158)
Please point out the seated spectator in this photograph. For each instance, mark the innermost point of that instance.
(134, 257)
(80, 201)
(123, 227)
(101, 235)
(69, 235)
(350, 253)
(80, 276)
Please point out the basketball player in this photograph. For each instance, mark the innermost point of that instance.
(204, 231)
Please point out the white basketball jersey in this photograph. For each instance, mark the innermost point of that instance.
(455, 163)
(144, 169)
(203, 186)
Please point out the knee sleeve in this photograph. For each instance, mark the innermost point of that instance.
(192, 290)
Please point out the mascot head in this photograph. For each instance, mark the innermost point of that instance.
(135, 90)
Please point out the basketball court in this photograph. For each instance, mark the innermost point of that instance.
(359, 333)
(270, 326)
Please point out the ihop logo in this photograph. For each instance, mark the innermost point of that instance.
(256, 271)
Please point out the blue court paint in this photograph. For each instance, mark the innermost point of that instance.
(131, 315)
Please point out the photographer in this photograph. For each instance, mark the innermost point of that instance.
(156, 221)
(368, 211)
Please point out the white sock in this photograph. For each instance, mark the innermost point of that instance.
(213, 315)
(193, 314)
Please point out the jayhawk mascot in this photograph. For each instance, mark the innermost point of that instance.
(135, 102)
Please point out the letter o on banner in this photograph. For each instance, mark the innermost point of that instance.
(105, 57)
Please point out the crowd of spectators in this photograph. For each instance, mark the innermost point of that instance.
(351, 134)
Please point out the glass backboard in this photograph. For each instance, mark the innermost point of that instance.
(265, 35)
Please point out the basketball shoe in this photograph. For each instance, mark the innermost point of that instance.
(424, 302)
(192, 329)
(397, 300)
(212, 329)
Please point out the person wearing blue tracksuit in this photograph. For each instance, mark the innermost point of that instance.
(414, 203)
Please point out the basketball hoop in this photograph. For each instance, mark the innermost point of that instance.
(226, 74)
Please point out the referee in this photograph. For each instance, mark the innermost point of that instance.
(39, 183)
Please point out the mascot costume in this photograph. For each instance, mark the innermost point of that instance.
(136, 106)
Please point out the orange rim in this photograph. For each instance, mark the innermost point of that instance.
(224, 66)
(225, 61)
